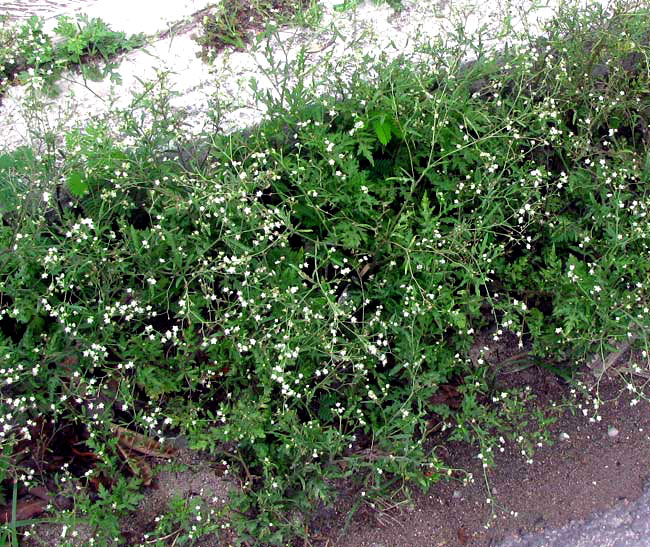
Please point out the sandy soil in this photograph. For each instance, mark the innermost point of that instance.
(572, 480)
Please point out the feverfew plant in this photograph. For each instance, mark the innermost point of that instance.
(299, 300)
(28, 53)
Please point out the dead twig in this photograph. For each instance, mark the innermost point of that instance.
(600, 366)
(174, 533)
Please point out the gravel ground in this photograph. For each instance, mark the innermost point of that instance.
(626, 525)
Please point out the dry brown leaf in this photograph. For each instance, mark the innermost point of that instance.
(638, 372)
(599, 366)
(138, 466)
(60, 501)
(25, 510)
(141, 443)
(447, 395)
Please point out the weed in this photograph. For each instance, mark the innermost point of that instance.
(353, 4)
(234, 22)
(27, 52)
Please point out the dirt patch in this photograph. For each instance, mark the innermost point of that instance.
(593, 464)
(590, 470)
(236, 22)
(201, 481)
(192, 477)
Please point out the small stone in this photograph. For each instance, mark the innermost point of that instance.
(612, 432)
(640, 525)
(457, 494)
(564, 436)
(179, 442)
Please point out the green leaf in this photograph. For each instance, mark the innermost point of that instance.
(383, 129)
(326, 402)
(76, 184)
(459, 320)
(135, 237)
(366, 153)
(346, 5)
(348, 234)
(426, 208)
(645, 174)
(22, 157)
(6, 162)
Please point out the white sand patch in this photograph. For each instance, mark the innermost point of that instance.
(339, 43)
(137, 16)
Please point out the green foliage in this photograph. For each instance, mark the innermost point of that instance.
(295, 303)
(92, 40)
(77, 186)
(352, 4)
(27, 52)
(15, 168)
(233, 23)
(104, 510)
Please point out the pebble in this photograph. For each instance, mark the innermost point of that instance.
(179, 442)
(612, 432)
(564, 436)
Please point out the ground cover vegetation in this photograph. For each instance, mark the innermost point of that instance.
(299, 300)
(346, 5)
(28, 53)
(234, 23)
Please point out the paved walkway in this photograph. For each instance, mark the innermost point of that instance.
(626, 525)
(19, 9)
(130, 16)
